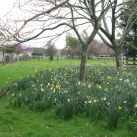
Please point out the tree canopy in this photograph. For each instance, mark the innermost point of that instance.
(50, 51)
(71, 41)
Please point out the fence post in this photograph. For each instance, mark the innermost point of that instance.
(126, 60)
(134, 61)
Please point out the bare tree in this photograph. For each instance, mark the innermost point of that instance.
(117, 9)
(78, 16)
(93, 48)
(77, 51)
(73, 15)
(15, 32)
(106, 50)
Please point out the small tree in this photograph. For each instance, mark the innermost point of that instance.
(36, 52)
(18, 49)
(51, 51)
(9, 48)
(71, 41)
(65, 51)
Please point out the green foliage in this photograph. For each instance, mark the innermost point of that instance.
(105, 88)
(107, 94)
(9, 48)
(65, 51)
(71, 41)
(36, 52)
(51, 51)
(132, 123)
(25, 57)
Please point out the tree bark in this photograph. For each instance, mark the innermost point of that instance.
(119, 63)
(83, 68)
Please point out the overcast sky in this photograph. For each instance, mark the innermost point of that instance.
(6, 6)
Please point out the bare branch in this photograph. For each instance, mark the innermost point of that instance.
(37, 15)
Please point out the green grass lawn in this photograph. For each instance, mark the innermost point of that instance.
(24, 122)
(16, 70)
(21, 69)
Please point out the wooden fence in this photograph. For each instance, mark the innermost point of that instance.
(104, 57)
(11, 59)
(130, 61)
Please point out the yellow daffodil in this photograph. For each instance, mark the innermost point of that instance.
(48, 84)
(58, 86)
(42, 89)
(89, 86)
(100, 87)
(54, 90)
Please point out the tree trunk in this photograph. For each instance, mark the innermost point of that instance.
(119, 63)
(83, 68)
(51, 58)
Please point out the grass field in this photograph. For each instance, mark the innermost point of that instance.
(22, 69)
(102, 81)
